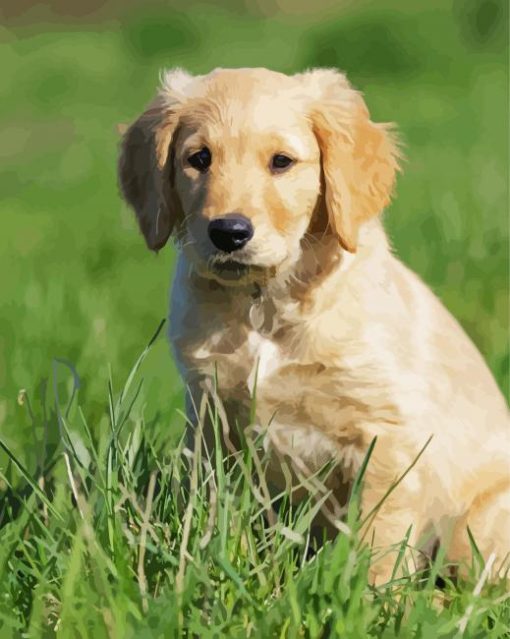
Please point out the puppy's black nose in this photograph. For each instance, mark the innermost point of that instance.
(230, 233)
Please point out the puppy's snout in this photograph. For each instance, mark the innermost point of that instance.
(230, 233)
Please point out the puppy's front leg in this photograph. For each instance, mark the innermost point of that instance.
(200, 408)
(387, 522)
(214, 418)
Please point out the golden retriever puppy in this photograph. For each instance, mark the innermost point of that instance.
(272, 186)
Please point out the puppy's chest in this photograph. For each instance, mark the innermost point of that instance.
(267, 360)
(242, 360)
(274, 368)
(295, 400)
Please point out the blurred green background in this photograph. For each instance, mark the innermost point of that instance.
(76, 281)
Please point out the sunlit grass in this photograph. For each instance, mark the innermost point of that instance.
(123, 533)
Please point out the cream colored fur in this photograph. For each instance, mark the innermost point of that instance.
(347, 342)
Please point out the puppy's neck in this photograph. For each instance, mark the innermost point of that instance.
(315, 279)
(285, 299)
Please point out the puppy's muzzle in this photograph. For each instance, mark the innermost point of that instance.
(230, 233)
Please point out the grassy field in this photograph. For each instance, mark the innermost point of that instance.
(96, 538)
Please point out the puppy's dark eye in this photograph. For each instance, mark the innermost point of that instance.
(280, 162)
(201, 160)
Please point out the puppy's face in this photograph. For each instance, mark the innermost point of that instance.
(233, 162)
(247, 176)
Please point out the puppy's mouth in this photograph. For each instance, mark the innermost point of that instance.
(230, 265)
(230, 269)
(233, 271)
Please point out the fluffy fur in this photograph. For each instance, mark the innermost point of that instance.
(347, 342)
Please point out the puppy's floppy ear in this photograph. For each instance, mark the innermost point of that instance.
(359, 157)
(145, 161)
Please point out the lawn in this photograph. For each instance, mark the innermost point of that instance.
(96, 536)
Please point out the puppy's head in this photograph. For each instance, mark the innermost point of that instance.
(239, 163)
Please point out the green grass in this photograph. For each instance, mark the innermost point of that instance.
(80, 295)
(124, 535)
